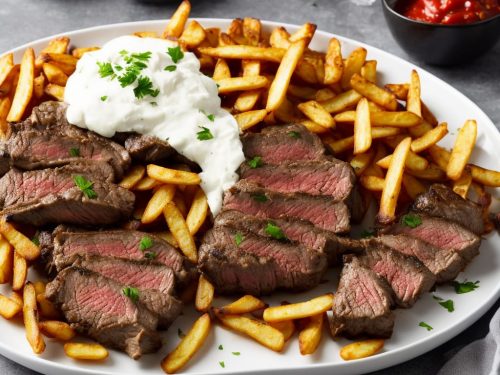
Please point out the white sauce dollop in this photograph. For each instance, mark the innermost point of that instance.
(180, 110)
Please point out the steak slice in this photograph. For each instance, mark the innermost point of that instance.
(148, 148)
(443, 234)
(296, 230)
(277, 144)
(96, 306)
(444, 264)
(408, 278)
(122, 244)
(275, 264)
(441, 201)
(320, 211)
(362, 303)
(332, 178)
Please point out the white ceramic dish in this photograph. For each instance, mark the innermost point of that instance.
(409, 340)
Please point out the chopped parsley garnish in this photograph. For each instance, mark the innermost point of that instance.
(146, 243)
(210, 117)
(294, 134)
(235, 353)
(129, 77)
(255, 162)
(239, 238)
(154, 104)
(180, 333)
(175, 54)
(85, 186)
(274, 231)
(170, 68)
(465, 287)
(104, 98)
(366, 233)
(105, 69)
(132, 293)
(221, 363)
(221, 347)
(426, 326)
(204, 134)
(448, 304)
(145, 87)
(36, 240)
(142, 56)
(411, 221)
(74, 151)
(259, 197)
(150, 255)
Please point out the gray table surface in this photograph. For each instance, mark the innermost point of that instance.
(24, 20)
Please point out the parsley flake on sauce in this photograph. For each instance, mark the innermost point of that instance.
(145, 87)
(411, 221)
(235, 353)
(170, 68)
(146, 243)
(175, 54)
(448, 304)
(239, 238)
(255, 162)
(222, 364)
(426, 326)
(85, 185)
(221, 347)
(274, 231)
(105, 69)
(204, 134)
(104, 98)
(74, 151)
(132, 293)
(465, 287)
(210, 117)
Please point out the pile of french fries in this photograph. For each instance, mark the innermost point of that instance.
(387, 134)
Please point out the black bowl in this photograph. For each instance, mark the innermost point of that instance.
(441, 44)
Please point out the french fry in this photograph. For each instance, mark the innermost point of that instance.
(188, 346)
(47, 308)
(235, 31)
(79, 52)
(225, 40)
(247, 100)
(413, 162)
(440, 156)
(362, 128)
(20, 271)
(39, 86)
(146, 183)
(413, 103)
(248, 119)
(383, 118)
(252, 30)
(299, 310)
(57, 330)
(413, 186)
(462, 185)
(279, 38)
(431, 173)
(6, 261)
(134, 175)
(305, 32)
(67, 63)
(58, 45)
(54, 74)
(156, 204)
(485, 176)
(24, 89)
(204, 295)
(344, 144)
(286, 327)
(22, 244)
(233, 84)
(172, 176)
(30, 315)
(244, 305)
(324, 94)
(39, 287)
(221, 70)
(85, 351)
(56, 91)
(428, 116)
(9, 308)
(169, 237)
(176, 23)
(353, 65)
(306, 72)
(313, 110)
(399, 89)
(374, 93)
(369, 71)
(342, 101)
(361, 349)
(179, 201)
(420, 130)
(361, 161)
(334, 65)
(197, 212)
(180, 231)
(430, 138)
(6, 65)
(4, 111)
(193, 34)
(245, 52)
(310, 336)
(393, 180)
(313, 127)
(372, 183)
(259, 331)
(279, 86)
(460, 154)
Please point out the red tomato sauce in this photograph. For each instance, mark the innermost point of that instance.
(449, 12)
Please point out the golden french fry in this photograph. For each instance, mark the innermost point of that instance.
(66, 62)
(134, 175)
(259, 331)
(204, 295)
(299, 310)
(361, 349)
(247, 100)
(342, 101)
(58, 45)
(374, 93)
(324, 94)
(54, 74)
(24, 89)
(22, 244)
(228, 85)
(16, 297)
(39, 86)
(235, 31)
(393, 179)
(55, 91)
(279, 86)
(252, 30)
(352, 66)
(361, 161)
(399, 89)
(57, 330)
(30, 315)
(344, 144)
(383, 118)
(180, 231)
(156, 204)
(9, 308)
(413, 103)
(369, 71)
(198, 211)
(440, 156)
(427, 115)
(176, 23)
(462, 185)
(85, 351)
(39, 287)
(172, 176)
(460, 154)
(362, 128)
(245, 304)
(420, 130)
(47, 308)
(413, 186)
(413, 162)
(6, 261)
(313, 127)
(221, 70)
(188, 346)
(286, 327)
(334, 65)
(317, 113)
(6, 65)
(245, 52)
(305, 32)
(169, 237)
(147, 183)
(79, 52)
(20, 271)
(4, 111)
(179, 201)
(279, 38)
(306, 72)
(431, 173)
(193, 34)
(372, 183)
(225, 40)
(430, 138)
(248, 119)
(485, 176)
(310, 336)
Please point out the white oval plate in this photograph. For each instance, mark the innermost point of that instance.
(408, 341)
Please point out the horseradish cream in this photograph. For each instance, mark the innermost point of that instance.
(151, 87)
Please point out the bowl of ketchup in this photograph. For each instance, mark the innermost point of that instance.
(444, 32)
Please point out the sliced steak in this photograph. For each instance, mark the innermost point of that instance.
(444, 264)
(406, 275)
(295, 230)
(148, 148)
(331, 178)
(270, 264)
(320, 211)
(96, 306)
(444, 234)
(441, 201)
(277, 144)
(362, 303)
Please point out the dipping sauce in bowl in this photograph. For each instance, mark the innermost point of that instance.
(449, 12)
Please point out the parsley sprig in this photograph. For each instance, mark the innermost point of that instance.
(239, 238)
(448, 304)
(85, 185)
(465, 287)
(175, 54)
(132, 293)
(145, 87)
(74, 152)
(411, 221)
(426, 326)
(204, 134)
(274, 231)
(255, 162)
